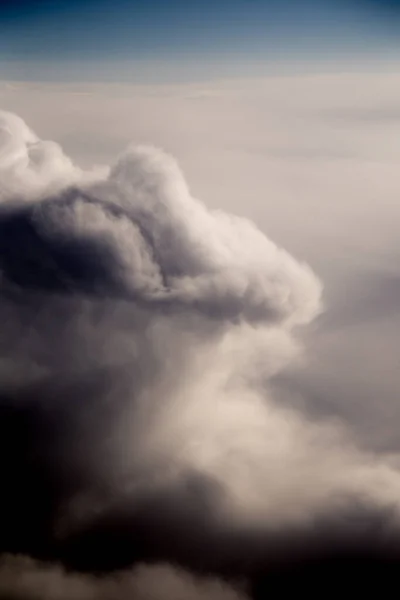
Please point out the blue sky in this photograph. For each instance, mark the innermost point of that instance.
(82, 34)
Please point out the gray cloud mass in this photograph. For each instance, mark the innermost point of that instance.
(140, 333)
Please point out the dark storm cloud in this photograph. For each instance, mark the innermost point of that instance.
(99, 281)
(139, 329)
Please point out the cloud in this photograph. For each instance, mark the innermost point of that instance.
(140, 334)
(163, 245)
(28, 165)
(21, 577)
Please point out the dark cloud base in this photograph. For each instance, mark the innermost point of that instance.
(357, 547)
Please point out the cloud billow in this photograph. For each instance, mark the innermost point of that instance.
(140, 329)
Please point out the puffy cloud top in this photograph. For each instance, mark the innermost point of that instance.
(137, 232)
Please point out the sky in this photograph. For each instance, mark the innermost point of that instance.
(199, 292)
(159, 39)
